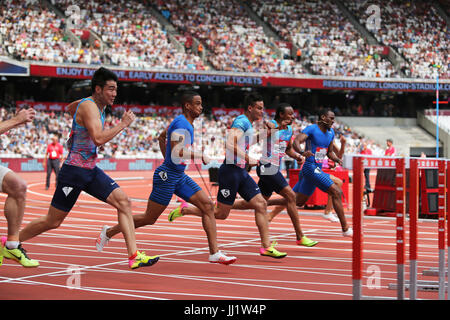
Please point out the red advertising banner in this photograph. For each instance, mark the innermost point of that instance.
(231, 79)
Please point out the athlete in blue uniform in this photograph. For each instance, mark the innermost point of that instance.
(318, 139)
(80, 173)
(234, 178)
(169, 178)
(270, 178)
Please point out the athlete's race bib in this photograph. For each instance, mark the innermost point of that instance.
(279, 151)
(280, 148)
(321, 154)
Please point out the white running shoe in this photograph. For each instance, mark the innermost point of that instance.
(102, 239)
(220, 257)
(331, 217)
(348, 233)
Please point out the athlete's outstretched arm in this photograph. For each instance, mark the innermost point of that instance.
(88, 116)
(24, 115)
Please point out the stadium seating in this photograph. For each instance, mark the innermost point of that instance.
(235, 41)
(133, 37)
(32, 32)
(329, 43)
(314, 36)
(415, 30)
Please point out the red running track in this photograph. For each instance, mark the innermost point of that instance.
(322, 272)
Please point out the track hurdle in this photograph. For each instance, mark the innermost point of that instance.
(443, 178)
(400, 165)
(359, 164)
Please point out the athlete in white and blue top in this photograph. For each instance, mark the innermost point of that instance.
(275, 147)
(234, 178)
(318, 139)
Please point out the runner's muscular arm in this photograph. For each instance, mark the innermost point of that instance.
(24, 115)
(340, 153)
(294, 155)
(331, 155)
(88, 116)
(231, 144)
(299, 139)
(162, 141)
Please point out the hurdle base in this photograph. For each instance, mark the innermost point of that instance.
(377, 298)
(421, 286)
(434, 272)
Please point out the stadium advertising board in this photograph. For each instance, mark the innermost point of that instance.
(232, 79)
(10, 67)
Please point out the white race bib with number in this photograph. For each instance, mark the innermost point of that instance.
(321, 154)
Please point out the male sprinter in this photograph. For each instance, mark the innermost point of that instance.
(319, 143)
(268, 169)
(80, 173)
(16, 189)
(233, 178)
(170, 178)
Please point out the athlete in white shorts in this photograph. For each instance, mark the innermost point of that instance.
(16, 189)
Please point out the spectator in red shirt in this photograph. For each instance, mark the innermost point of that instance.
(53, 157)
(390, 151)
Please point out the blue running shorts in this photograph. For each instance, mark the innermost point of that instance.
(311, 177)
(168, 181)
(72, 180)
(234, 180)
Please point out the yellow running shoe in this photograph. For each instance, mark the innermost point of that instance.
(19, 254)
(141, 260)
(175, 213)
(272, 252)
(304, 241)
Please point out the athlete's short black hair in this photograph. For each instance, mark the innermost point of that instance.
(324, 112)
(251, 99)
(101, 76)
(280, 109)
(187, 97)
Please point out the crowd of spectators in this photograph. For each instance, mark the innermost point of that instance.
(415, 30)
(140, 140)
(29, 31)
(132, 35)
(235, 41)
(328, 42)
